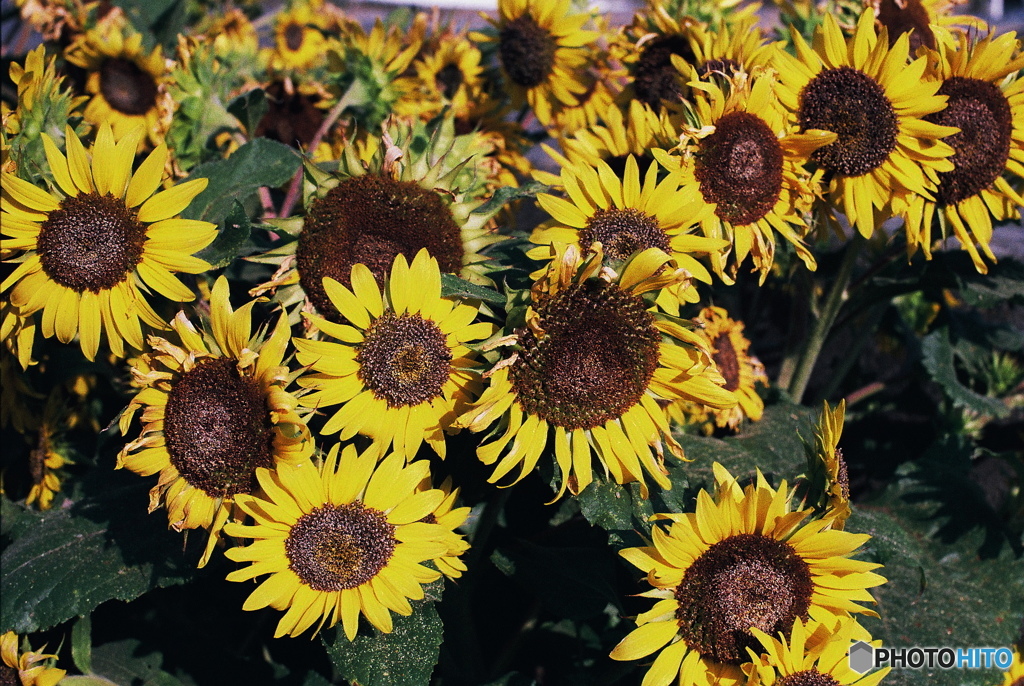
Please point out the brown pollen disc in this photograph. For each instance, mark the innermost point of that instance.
(622, 232)
(527, 51)
(371, 219)
(594, 361)
(291, 118)
(727, 361)
(336, 547)
(218, 429)
(852, 105)
(404, 360)
(743, 581)
(293, 35)
(906, 16)
(843, 475)
(807, 677)
(91, 242)
(739, 168)
(448, 80)
(9, 675)
(654, 77)
(126, 87)
(982, 113)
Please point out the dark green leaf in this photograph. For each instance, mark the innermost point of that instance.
(937, 357)
(249, 109)
(1004, 282)
(70, 560)
(81, 644)
(159, 20)
(405, 657)
(608, 505)
(260, 162)
(234, 232)
(126, 663)
(507, 194)
(454, 287)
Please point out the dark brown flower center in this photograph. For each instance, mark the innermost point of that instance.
(293, 36)
(404, 360)
(448, 80)
(622, 232)
(371, 219)
(739, 168)
(218, 429)
(527, 51)
(906, 16)
(807, 677)
(335, 547)
(594, 361)
(852, 105)
(654, 77)
(743, 581)
(9, 676)
(91, 242)
(292, 119)
(727, 361)
(982, 113)
(1018, 682)
(842, 475)
(126, 87)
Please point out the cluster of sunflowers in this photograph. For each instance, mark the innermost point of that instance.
(428, 292)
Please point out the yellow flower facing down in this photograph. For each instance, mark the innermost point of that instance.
(742, 561)
(542, 47)
(450, 518)
(25, 668)
(866, 93)
(814, 654)
(589, 372)
(399, 367)
(214, 409)
(92, 247)
(340, 540)
(829, 490)
(986, 103)
(626, 216)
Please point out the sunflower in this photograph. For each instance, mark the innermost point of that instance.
(986, 104)
(829, 480)
(346, 538)
(1015, 675)
(299, 40)
(127, 84)
(542, 47)
(214, 409)
(742, 561)
(727, 50)
(646, 48)
(26, 669)
(916, 18)
(875, 101)
(626, 216)
(742, 371)
(51, 452)
(416, 188)
(816, 653)
(450, 518)
(98, 238)
(746, 165)
(449, 76)
(400, 368)
(589, 372)
(233, 36)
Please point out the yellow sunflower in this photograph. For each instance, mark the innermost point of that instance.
(742, 371)
(1015, 675)
(626, 216)
(542, 47)
(416, 188)
(450, 518)
(51, 452)
(299, 40)
(816, 653)
(829, 480)
(745, 163)
(450, 76)
(867, 93)
(344, 539)
(589, 372)
(399, 367)
(742, 561)
(99, 239)
(214, 409)
(127, 85)
(29, 668)
(986, 104)
(725, 51)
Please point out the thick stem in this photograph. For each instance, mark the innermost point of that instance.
(822, 327)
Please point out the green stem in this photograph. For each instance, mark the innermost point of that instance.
(822, 327)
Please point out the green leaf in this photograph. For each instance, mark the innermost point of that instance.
(260, 162)
(81, 644)
(937, 357)
(249, 109)
(1004, 282)
(234, 233)
(162, 20)
(507, 194)
(454, 287)
(127, 663)
(404, 657)
(70, 560)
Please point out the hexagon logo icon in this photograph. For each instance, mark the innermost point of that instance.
(862, 657)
